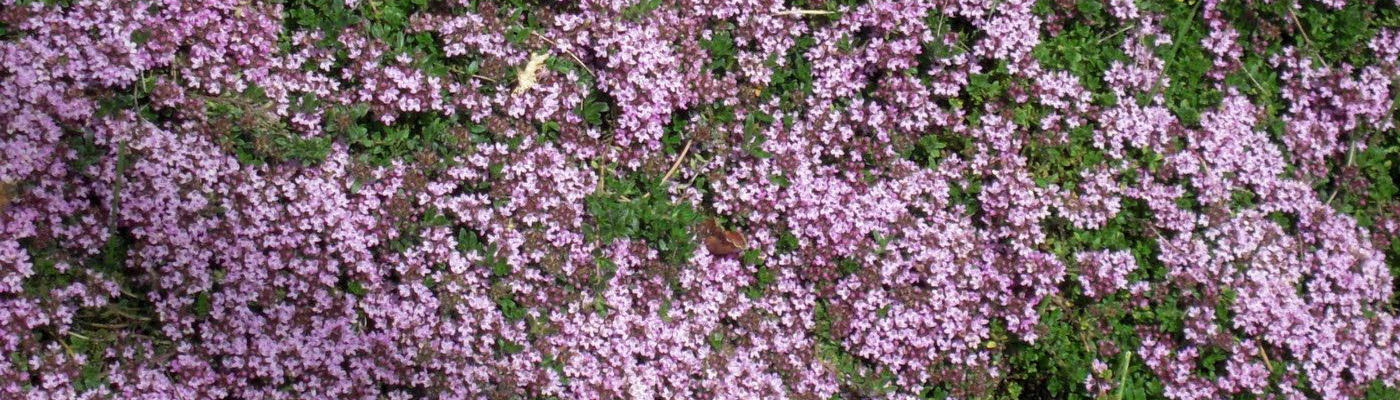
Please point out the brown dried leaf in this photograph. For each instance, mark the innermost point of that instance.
(720, 241)
(6, 190)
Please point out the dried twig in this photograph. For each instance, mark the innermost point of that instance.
(602, 176)
(1351, 157)
(1265, 355)
(125, 314)
(675, 165)
(106, 326)
(1251, 79)
(1115, 34)
(803, 12)
(68, 349)
(566, 51)
(1301, 31)
(114, 207)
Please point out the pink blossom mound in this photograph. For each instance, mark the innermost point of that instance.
(134, 221)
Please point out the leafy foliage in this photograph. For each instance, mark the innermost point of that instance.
(1068, 199)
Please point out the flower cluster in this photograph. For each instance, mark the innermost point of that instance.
(469, 199)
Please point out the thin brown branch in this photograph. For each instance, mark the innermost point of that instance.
(803, 12)
(1301, 31)
(676, 165)
(1351, 158)
(566, 51)
(1115, 34)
